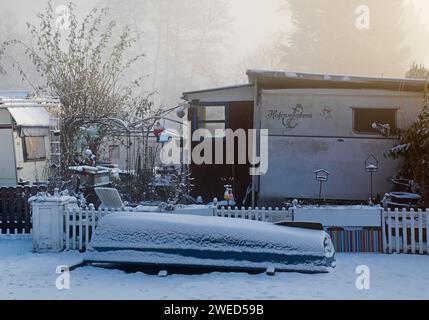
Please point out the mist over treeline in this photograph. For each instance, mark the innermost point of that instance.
(189, 44)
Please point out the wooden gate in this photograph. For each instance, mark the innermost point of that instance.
(15, 213)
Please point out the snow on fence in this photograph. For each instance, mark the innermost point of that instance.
(79, 225)
(401, 231)
(405, 231)
(257, 214)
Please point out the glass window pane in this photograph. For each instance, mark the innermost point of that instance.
(35, 148)
(211, 113)
(365, 118)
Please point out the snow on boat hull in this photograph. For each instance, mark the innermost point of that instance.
(208, 242)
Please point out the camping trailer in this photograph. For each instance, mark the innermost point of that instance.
(314, 122)
(25, 143)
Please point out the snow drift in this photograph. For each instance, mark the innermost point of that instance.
(209, 242)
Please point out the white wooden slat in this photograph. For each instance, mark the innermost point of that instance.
(404, 232)
(383, 226)
(80, 230)
(427, 231)
(87, 217)
(285, 213)
(413, 232)
(73, 223)
(99, 216)
(67, 220)
(397, 238)
(264, 214)
(389, 232)
(421, 248)
(243, 213)
(93, 218)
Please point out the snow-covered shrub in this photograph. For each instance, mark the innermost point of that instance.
(413, 147)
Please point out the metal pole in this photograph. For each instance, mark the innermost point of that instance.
(320, 191)
(371, 188)
(182, 178)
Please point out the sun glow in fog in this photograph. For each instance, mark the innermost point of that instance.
(255, 21)
(423, 7)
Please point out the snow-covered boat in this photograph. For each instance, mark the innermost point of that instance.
(154, 239)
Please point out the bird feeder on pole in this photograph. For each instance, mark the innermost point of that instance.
(322, 176)
(371, 166)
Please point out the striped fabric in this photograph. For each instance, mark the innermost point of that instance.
(367, 240)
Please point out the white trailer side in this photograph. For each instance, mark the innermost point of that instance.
(311, 129)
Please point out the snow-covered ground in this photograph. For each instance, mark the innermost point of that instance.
(25, 275)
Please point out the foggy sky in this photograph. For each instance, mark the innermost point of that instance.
(254, 22)
(246, 33)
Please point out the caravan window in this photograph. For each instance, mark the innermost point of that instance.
(364, 118)
(34, 148)
(211, 118)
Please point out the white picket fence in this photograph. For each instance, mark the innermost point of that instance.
(79, 225)
(257, 214)
(405, 231)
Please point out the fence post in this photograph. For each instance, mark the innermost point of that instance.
(48, 224)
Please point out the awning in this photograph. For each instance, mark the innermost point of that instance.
(33, 121)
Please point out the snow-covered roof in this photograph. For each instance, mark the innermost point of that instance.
(30, 116)
(290, 79)
(220, 88)
(241, 92)
(274, 79)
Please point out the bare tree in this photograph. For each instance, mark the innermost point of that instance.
(184, 41)
(82, 64)
(417, 71)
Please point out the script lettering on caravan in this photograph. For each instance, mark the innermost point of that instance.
(290, 120)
